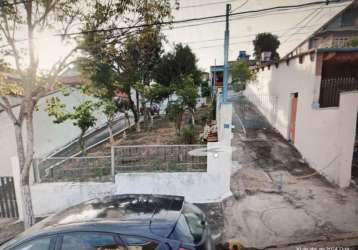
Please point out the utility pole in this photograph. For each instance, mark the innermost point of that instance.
(226, 53)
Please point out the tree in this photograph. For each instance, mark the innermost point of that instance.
(188, 93)
(137, 60)
(353, 42)
(205, 89)
(130, 54)
(154, 93)
(175, 111)
(241, 74)
(23, 19)
(102, 83)
(175, 65)
(109, 108)
(82, 116)
(266, 42)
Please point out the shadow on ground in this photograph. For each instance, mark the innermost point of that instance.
(277, 198)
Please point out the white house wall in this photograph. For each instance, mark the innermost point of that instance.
(48, 136)
(318, 131)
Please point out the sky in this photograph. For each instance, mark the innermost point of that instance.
(206, 40)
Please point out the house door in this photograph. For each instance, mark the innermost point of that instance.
(292, 124)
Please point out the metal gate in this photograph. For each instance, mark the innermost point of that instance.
(8, 204)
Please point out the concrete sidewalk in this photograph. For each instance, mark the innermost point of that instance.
(9, 228)
(278, 199)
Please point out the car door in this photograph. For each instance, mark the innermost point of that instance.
(89, 241)
(40, 243)
(135, 242)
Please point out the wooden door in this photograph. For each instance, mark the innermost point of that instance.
(292, 126)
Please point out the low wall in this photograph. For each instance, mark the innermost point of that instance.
(197, 187)
(48, 198)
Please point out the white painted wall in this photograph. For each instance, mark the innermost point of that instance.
(199, 187)
(210, 186)
(48, 135)
(49, 198)
(318, 131)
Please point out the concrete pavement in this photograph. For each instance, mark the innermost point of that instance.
(278, 199)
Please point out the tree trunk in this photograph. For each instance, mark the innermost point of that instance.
(127, 118)
(151, 121)
(192, 117)
(137, 100)
(135, 113)
(29, 218)
(111, 138)
(82, 143)
(150, 115)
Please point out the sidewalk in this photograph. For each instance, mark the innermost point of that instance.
(9, 228)
(278, 199)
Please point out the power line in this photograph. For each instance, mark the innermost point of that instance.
(272, 12)
(240, 6)
(248, 41)
(205, 4)
(300, 22)
(307, 20)
(248, 35)
(220, 45)
(202, 18)
(246, 17)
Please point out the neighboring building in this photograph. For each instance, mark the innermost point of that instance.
(217, 71)
(311, 97)
(217, 78)
(72, 77)
(48, 135)
(336, 33)
(312, 100)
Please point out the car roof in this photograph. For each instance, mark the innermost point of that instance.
(133, 214)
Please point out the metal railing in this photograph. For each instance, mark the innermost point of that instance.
(56, 169)
(8, 203)
(159, 158)
(331, 89)
(123, 159)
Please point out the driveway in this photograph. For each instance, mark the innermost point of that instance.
(278, 199)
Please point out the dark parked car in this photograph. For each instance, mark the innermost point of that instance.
(134, 222)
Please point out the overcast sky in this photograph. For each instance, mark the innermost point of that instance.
(292, 27)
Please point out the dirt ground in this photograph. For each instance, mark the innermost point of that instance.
(161, 133)
(278, 200)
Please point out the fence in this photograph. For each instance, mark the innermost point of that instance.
(55, 169)
(124, 159)
(331, 89)
(8, 204)
(160, 158)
